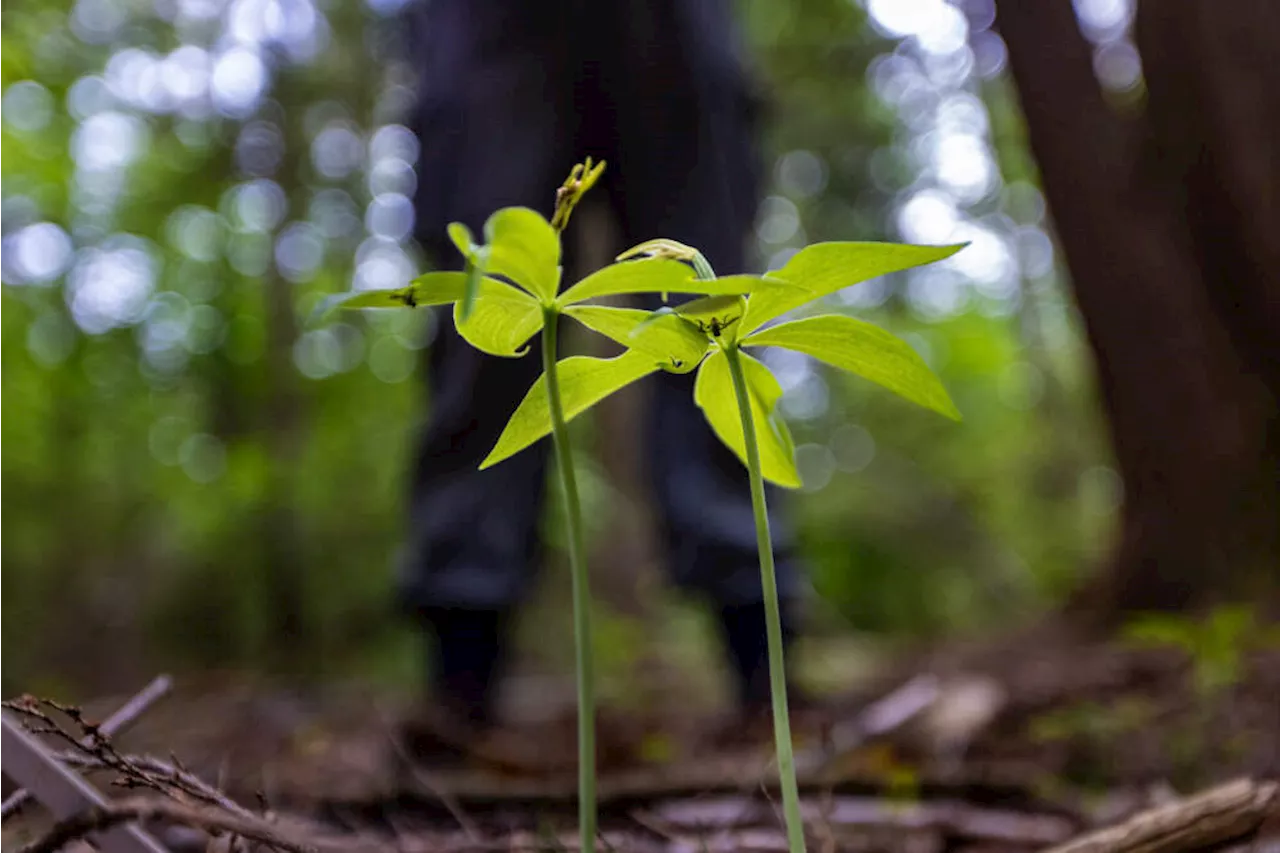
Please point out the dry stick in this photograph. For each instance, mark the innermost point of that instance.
(96, 751)
(102, 818)
(1218, 815)
(184, 781)
(63, 792)
(952, 818)
(124, 716)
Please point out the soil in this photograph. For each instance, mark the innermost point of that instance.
(1011, 746)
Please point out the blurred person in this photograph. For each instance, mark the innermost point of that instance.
(513, 93)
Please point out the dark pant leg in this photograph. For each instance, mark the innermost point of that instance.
(688, 170)
(493, 133)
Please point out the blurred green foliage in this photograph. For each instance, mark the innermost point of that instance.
(1218, 645)
(194, 477)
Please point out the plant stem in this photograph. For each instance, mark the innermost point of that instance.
(773, 618)
(581, 592)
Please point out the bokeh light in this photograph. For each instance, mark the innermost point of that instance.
(36, 254)
(28, 106)
(109, 286)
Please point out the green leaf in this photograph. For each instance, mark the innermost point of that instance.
(502, 320)
(713, 391)
(476, 257)
(526, 249)
(461, 237)
(434, 288)
(584, 381)
(656, 275)
(824, 268)
(666, 338)
(714, 315)
(742, 285)
(866, 350)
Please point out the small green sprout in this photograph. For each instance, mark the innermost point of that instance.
(739, 395)
(510, 290)
(582, 178)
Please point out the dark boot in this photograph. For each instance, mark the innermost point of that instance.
(465, 651)
(747, 641)
(748, 644)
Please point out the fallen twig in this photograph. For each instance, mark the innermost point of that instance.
(103, 818)
(124, 716)
(62, 791)
(949, 817)
(183, 780)
(93, 749)
(1213, 817)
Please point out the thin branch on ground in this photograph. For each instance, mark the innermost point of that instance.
(213, 821)
(181, 779)
(1203, 821)
(123, 717)
(90, 747)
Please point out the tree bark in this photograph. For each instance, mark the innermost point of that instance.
(1169, 219)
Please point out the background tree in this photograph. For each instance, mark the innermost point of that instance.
(1167, 203)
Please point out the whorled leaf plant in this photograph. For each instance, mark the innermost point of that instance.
(737, 393)
(509, 291)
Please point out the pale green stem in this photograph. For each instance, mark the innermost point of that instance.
(773, 618)
(581, 591)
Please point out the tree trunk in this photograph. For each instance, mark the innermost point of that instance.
(1169, 218)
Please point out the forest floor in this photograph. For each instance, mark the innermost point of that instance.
(1016, 746)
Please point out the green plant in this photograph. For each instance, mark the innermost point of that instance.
(510, 290)
(1216, 645)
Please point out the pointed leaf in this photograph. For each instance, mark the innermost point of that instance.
(434, 288)
(667, 338)
(584, 381)
(476, 259)
(656, 275)
(824, 268)
(742, 285)
(714, 315)
(502, 320)
(713, 391)
(525, 248)
(866, 350)
(673, 338)
(461, 237)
